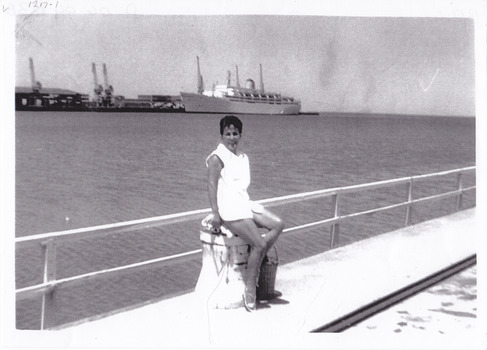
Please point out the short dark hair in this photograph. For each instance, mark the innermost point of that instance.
(230, 120)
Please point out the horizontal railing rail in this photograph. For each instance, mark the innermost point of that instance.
(127, 226)
(49, 241)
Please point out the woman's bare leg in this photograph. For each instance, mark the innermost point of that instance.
(273, 223)
(249, 232)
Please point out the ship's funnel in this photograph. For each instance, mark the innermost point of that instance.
(200, 78)
(261, 79)
(250, 84)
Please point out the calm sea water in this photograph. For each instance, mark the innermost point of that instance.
(82, 169)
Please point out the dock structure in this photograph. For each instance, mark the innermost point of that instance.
(315, 291)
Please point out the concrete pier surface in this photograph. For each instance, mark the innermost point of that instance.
(315, 291)
(450, 307)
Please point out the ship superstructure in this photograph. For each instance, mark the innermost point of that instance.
(230, 98)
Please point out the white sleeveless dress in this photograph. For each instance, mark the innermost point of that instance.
(232, 197)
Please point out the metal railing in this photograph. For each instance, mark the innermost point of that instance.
(48, 242)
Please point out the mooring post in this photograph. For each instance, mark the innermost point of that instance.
(223, 269)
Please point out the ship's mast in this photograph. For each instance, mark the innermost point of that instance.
(237, 82)
(261, 79)
(36, 86)
(229, 78)
(200, 77)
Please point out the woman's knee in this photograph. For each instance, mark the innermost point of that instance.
(260, 245)
(280, 224)
(270, 221)
(277, 224)
(247, 230)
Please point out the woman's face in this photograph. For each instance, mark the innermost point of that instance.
(230, 138)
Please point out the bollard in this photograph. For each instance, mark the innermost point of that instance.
(224, 263)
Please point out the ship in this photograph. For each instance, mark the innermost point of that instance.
(234, 99)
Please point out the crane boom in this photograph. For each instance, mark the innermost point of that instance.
(98, 88)
(105, 75)
(108, 87)
(32, 72)
(95, 77)
(36, 86)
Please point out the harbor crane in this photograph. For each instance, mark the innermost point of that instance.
(36, 86)
(98, 88)
(108, 88)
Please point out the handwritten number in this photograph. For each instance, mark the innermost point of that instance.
(43, 4)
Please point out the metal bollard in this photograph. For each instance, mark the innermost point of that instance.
(224, 264)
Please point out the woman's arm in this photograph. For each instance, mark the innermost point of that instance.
(215, 166)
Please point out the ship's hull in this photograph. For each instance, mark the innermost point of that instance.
(197, 103)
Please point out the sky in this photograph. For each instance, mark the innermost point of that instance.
(391, 65)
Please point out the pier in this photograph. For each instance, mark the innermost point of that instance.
(317, 292)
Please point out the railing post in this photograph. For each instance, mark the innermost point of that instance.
(49, 258)
(409, 190)
(460, 193)
(335, 228)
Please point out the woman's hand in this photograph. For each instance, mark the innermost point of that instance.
(216, 221)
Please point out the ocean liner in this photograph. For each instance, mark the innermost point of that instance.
(238, 100)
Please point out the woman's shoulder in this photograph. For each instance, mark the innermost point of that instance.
(219, 154)
(223, 153)
(226, 156)
(214, 160)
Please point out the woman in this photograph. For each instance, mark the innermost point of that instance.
(228, 180)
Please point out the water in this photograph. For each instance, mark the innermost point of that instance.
(82, 169)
